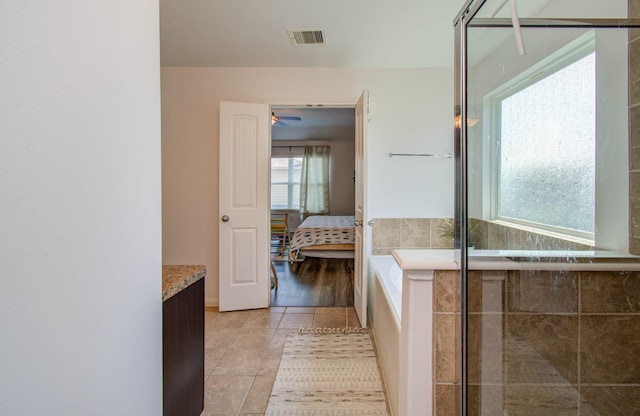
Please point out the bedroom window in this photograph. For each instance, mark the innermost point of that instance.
(543, 146)
(285, 182)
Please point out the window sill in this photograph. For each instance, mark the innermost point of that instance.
(553, 234)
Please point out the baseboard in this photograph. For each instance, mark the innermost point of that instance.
(212, 302)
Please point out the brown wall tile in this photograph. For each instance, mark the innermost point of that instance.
(387, 232)
(610, 347)
(610, 400)
(485, 400)
(610, 292)
(486, 290)
(416, 233)
(634, 206)
(543, 291)
(498, 237)
(438, 240)
(634, 8)
(479, 233)
(447, 400)
(541, 401)
(541, 349)
(447, 291)
(485, 348)
(446, 355)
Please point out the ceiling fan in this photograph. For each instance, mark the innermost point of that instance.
(275, 120)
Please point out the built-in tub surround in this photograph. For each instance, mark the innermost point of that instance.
(569, 344)
(418, 233)
(634, 131)
(407, 348)
(559, 339)
(493, 235)
(385, 278)
(437, 233)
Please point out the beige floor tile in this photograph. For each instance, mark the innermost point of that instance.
(280, 337)
(258, 397)
(277, 309)
(237, 362)
(263, 320)
(256, 339)
(300, 309)
(230, 319)
(209, 317)
(212, 357)
(331, 309)
(330, 320)
(352, 320)
(270, 362)
(220, 338)
(225, 394)
(296, 320)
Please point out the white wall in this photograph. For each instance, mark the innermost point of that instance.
(80, 252)
(411, 111)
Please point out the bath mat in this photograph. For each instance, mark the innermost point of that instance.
(328, 374)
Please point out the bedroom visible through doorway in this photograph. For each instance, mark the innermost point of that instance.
(312, 274)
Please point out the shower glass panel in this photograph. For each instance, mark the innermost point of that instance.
(549, 206)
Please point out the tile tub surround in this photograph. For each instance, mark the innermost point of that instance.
(434, 275)
(419, 233)
(446, 343)
(177, 277)
(634, 131)
(541, 342)
(570, 342)
(491, 235)
(431, 233)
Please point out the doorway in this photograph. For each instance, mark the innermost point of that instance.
(308, 278)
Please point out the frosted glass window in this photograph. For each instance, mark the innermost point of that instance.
(285, 182)
(546, 172)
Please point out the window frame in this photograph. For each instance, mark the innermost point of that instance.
(564, 57)
(290, 182)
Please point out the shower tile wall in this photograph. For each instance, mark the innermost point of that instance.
(634, 131)
(433, 233)
(570, 343)
(447, 376)
(492, 236)
(392, 233)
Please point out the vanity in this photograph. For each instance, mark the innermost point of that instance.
(183, 339)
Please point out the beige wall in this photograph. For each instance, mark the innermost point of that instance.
(410, 111)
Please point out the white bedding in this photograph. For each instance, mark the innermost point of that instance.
(323, 229)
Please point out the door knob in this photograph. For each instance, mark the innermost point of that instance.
(225, 218)
(357, 223)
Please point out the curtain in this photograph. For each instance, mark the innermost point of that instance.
(314, 181)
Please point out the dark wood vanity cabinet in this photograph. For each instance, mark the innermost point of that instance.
(183, 351)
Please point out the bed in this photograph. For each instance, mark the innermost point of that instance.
(326, 236)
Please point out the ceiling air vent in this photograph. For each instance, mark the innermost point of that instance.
(307, 37)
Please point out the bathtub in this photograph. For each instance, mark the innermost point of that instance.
(402, 318)
(386, 279)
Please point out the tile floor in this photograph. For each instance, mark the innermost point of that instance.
(243, 350)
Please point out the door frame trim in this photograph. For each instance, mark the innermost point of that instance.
(323, 103)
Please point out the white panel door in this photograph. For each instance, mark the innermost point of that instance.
(244, 206)
(359, 267)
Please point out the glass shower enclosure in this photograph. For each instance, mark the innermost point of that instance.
(547, 122)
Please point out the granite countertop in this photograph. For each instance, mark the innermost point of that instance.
(178, 277)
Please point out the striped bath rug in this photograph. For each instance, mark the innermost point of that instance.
(328, 374)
